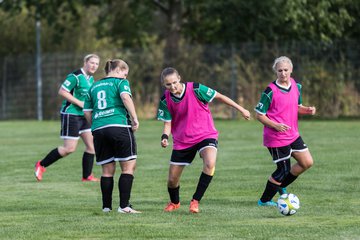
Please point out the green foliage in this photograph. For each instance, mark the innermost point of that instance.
(198, 42)
(329, 89)
(63, 207)
(19, 29)
(128, 23)
(131, 23)
(269, 20)
(323, 20)
(232, 21)
(66, 25)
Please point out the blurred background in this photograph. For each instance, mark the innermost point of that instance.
(228, 45)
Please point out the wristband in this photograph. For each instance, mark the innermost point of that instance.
(164, 136)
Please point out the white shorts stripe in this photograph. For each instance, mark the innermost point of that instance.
(179, 164)
(105, 161)
(85, 130)
(207, 147)
(125, 159)
(67, 137)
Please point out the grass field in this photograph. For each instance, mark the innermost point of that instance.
(63, 207)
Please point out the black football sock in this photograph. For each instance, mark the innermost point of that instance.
(52, 157)
(107, 185)
(288, 180)
(125, 185)
(87, 164)
(269, 192)
(174, 194)
(203, 184)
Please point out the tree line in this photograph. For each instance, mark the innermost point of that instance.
(228, 45)
(77, 25)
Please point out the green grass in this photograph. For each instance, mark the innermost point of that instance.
(63, 207)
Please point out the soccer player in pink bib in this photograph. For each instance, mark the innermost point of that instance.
(186, 115)
(278, 110)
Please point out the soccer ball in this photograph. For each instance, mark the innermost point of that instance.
(288, 204)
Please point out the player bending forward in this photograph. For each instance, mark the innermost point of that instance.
(186, 115)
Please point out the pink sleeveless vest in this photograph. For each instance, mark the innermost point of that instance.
(191, 119)
(283, 109)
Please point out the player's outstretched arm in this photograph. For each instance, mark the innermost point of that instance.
(305, 110)
(245, 113)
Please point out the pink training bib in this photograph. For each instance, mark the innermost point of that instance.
(191, 119)
(283, 109)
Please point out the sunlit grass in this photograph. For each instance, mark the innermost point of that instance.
(63, 207)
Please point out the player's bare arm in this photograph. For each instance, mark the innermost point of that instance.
(305, 110)
(280, 127)
(165, 135)
(88, 116)
(244, 112)
(129, 104)
(69, 97)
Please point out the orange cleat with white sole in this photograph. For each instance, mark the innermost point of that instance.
(39, 170)
(194, 206)
(171, 207)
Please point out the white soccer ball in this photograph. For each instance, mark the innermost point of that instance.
(288, 204)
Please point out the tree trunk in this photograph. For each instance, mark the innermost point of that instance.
(174, 20)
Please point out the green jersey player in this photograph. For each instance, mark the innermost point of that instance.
(73, 122)
(111, 111)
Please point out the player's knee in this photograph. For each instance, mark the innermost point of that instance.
(128, 170)
(172, 182)
(90, 150)
(283, 169)
(308, 164)
(128, 167)
(209, 168)
(64, 151)
(69, 150)
(278, 177)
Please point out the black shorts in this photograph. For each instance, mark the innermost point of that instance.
(186, 156)
(72, 126)
(282, 153)
(114, 144)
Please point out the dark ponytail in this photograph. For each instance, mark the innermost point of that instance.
(110, 65)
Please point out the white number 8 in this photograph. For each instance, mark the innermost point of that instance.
(101, 96)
